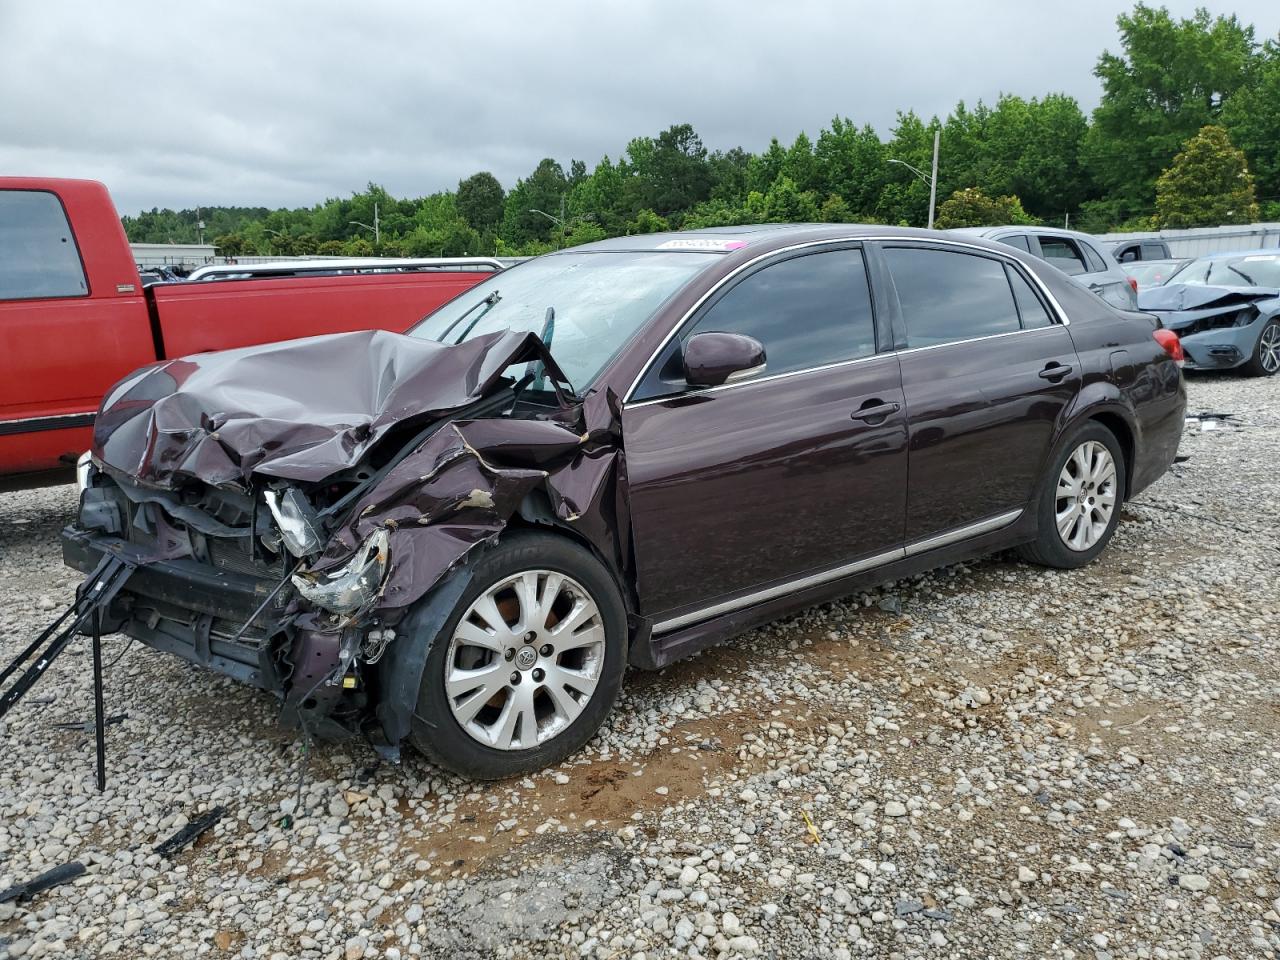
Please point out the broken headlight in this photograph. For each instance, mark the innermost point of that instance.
(353, 585)
(297, 521)
(83, 468)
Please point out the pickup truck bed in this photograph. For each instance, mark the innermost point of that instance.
(75, 318)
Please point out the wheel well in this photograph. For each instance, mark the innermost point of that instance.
(1120, 430)
(543, 523)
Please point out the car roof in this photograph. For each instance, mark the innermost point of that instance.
(1223, 254)
(992, 231)
(756, 235)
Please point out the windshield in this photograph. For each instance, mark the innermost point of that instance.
(595, 302)
(1246, 270)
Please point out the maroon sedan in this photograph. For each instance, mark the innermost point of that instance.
(620, 453)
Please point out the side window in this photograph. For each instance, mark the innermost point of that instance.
(1018, 240)
(948, 296)
(1097, 262)
(1062, 253)
(807, 311)
(1154, 251)
(1031, 309)
(38, 255)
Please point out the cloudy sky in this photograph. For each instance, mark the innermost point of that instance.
(287, 103)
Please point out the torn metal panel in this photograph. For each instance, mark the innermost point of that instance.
(1183, 296)
(300, 410)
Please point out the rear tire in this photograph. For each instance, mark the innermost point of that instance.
(1265, 360)
(1078, 504)
(501, 699)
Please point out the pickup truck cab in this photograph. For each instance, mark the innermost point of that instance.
(75, 316)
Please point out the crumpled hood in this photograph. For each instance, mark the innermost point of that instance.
(1182, 296)
(299, 410)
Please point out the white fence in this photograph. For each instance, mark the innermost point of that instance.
(1201, 240)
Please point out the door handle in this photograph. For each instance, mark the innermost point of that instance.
(875, 411)
(1055, 371)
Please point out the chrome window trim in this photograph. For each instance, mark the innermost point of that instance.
(989, 336)
(988, 525)
(1030, 275)
(752, 381)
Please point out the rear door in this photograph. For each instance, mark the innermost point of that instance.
(987, 371)
(753, 485)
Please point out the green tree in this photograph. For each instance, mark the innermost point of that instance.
(904, 198)
(480, 201)
(850, 163)
(542, 190)
(799, 164)
(230, 245)
(1252, 118)
(764, 168)
(1170, 79)
(647, 221)
(1208, 184)
(729, 174)
(669, 174)
(836, 210)
(787, 203)
(970, 207)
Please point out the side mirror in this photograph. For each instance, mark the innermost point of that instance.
(713, 358)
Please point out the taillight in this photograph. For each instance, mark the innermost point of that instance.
(1133, 282)
(1172, 345)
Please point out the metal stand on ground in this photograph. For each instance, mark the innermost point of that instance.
(99, 718)
(97, 592)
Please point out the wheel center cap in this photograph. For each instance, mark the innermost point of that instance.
(526, 657)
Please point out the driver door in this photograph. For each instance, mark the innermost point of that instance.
(791, 473)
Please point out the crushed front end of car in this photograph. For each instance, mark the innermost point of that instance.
(294, 511)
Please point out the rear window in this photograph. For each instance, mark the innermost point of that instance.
(1018, 240)
(38, 255)
(1062, 253)
(1031, 309)
(948, 296)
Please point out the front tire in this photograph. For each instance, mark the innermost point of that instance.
(1078, 506)
(1265, 360)
(528, 664)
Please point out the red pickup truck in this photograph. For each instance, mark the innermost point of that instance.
(75, 318)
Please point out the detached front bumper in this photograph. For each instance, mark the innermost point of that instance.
(191, 609)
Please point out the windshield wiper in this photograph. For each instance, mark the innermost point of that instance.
(1252, 282)
(488, 303)
(540, 370)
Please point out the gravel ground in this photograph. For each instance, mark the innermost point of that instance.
(991, 760)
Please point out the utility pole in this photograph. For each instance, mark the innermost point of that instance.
(554, 219)
(377, 233)
(933, 179)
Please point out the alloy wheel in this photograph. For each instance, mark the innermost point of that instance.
(1269, 348)
(1086, 496)
(524, 660)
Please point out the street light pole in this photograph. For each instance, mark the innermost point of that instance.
(377, 234)
(932, 181)
(559, 221)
